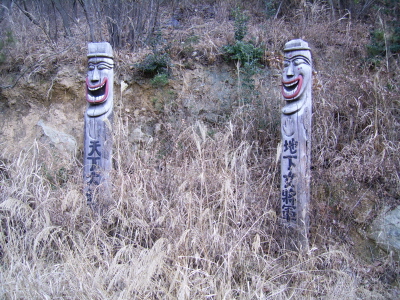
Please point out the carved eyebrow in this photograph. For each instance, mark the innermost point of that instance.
(105, 65)
(300, 57)
(101, 64)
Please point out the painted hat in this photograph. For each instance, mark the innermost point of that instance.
(296, 44)
(103, 49)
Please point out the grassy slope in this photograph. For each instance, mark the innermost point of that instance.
(195, 211)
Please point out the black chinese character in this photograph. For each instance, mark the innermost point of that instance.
(94, 178)
(291, 163)
(288, 196)
(289, 179)
(289, 212)
(94, 162)
(291, 146)
(89, 196)
(93, 145)
(94, 156)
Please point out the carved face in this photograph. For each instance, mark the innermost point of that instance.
(97, 80)
(296, 79)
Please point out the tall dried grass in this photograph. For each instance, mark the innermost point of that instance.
(199, 226)
(196, 222)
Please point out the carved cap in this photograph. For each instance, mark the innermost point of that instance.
(103, 49)
(297, 44)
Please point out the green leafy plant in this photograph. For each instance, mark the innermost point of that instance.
(244, 52)
(188, 45)
(241, 21)
(248, 63)
(247, 58)
(159, 80)
(377, 46)
(271, 7)
(384, 41)
(154, 64)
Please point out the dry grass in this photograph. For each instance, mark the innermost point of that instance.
(198, 226)
(194, 213)
(196, 223)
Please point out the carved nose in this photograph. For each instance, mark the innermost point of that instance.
(290, 70)
(95, 75)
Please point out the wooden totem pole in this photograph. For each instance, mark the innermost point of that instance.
(296, 142)
(98, 125)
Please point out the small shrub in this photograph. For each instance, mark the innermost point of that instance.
(271, 7)
(377, 46)
(154, 64)
(383, 41)
(184, 49)
(247, 56)
(241, 21)
(244, 52)
(159, 80)
(188, 48)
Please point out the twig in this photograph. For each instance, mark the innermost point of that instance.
(32, 19)
(278, 10)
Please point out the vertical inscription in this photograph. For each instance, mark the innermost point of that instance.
(289, 188)
(94, 157)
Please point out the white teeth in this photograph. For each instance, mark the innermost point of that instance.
(97, 93)
(289, 93)
(93, 98)
(95, 88)
(290, 84)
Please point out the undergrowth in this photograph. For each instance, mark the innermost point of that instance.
(207, 231)
(247, 59)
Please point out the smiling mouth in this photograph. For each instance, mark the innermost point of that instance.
(291, 89)
(98, 93)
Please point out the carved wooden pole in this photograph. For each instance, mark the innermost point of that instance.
(98, 125)
(296, 142)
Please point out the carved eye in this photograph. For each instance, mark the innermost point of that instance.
(299, 61)
(104, 66)
(91, 67)
(286, 63)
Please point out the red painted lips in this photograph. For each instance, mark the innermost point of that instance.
(291, 89)
(98, 93)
